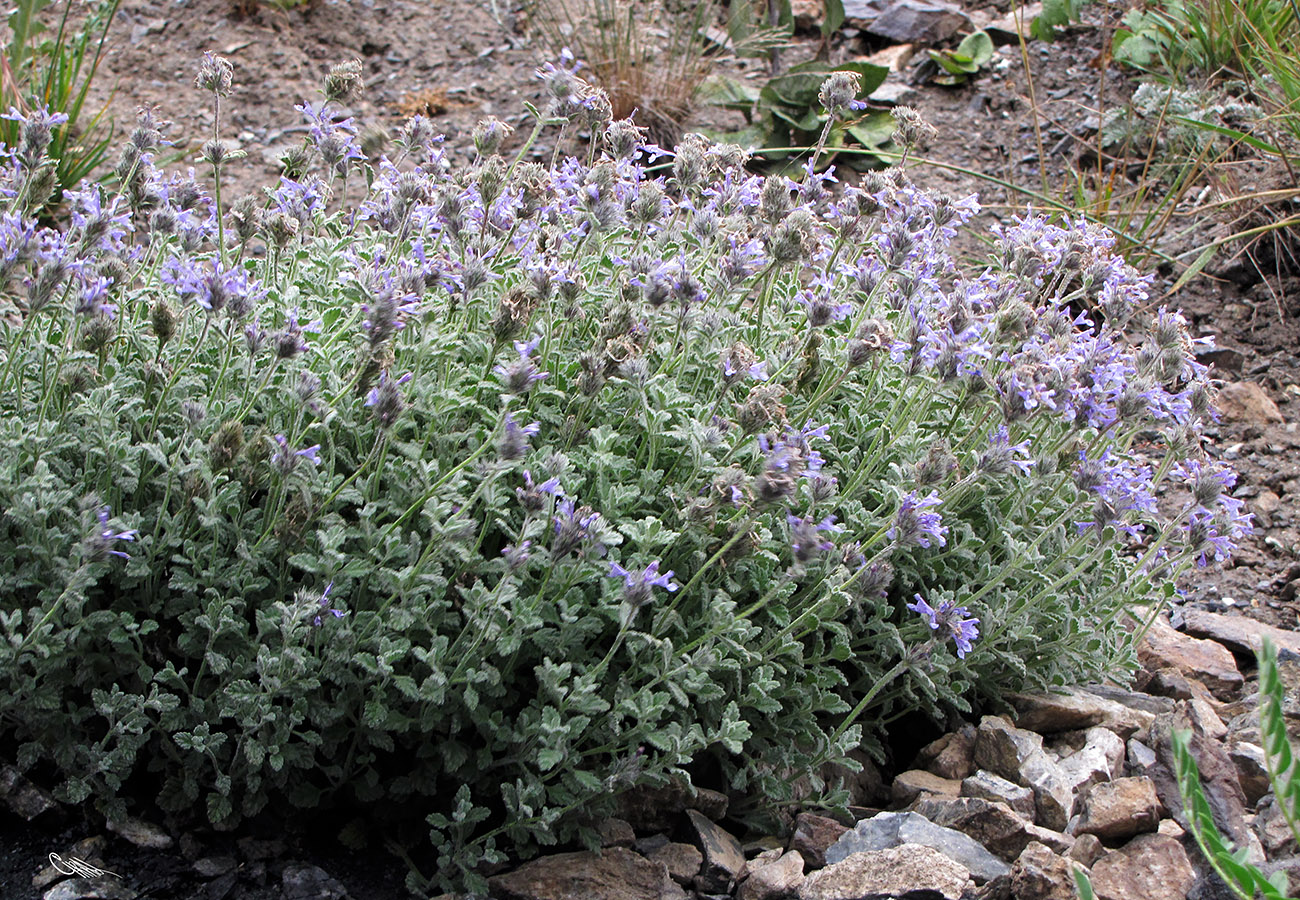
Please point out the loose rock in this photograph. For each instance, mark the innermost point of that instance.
(919, 21)
(724, 861)
(141, 833)
(1208, 661)
(898, 870)
(1246, 401)
(813, 835)
(1149, 867)
(1039, 874)
(887, 830)
(916, 782)
(1018, 755)
(987, 786)
(1121, 809)
(777, 880)
(683, 861)
(302, 881)
(616, 874)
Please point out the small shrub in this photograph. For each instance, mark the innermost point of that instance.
(509, 486)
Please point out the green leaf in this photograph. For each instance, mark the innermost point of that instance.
(977, 47)
(832, 16)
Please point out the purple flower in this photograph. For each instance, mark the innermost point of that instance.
(514, 438)
(637, 585)
(514, 556)
(805, 536)
(1001, 455)
(285, 460)
(950, 619)
(214, 289)
(385, 400)
(530, 495)
(573, 529)
(522, 374)
(101, 541)
(916, 524)
(326, 608)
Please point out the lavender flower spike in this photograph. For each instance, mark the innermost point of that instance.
(950, 619)
(914, 524)
(102, 540)
(637, 585)
(325, 607)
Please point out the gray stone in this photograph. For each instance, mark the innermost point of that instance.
(987, 786)
(141, 833)
(813, 834)
(1101, 759)
(683, 861)
(1140, 756)
(303, 881)
(1149, 867)
(1018, 755)
(905, 870)
(888, 829)
(1272, 830)
(724, 861)
(860, 12)
(212, 866)
(777, 880)
(1133, 699)
(24, 797)
(919, 21)
(102, 888)
(996, 827)
(1120, 809)
(1040, 874)
(615, 874)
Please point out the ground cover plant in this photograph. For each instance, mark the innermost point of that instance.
(476, 494)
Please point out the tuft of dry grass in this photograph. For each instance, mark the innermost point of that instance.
(650, 56)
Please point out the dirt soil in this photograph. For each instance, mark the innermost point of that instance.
(457, 61)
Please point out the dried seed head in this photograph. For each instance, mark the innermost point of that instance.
(912, 131)
(489, 134)
(343, 81)
(215, 74)
(245, 217)
(97, 333)
(162, 319)
(763, 407)
(225, 445)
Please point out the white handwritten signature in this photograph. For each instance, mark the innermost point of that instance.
(76, 866)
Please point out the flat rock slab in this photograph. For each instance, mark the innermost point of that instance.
(1208, 662)
(919, 21)
(1237, 632)
(1074, 710)
(890, 829)
(617, 874)
(906, 870)
(724, 861)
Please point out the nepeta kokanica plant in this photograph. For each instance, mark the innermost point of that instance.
(580, 475)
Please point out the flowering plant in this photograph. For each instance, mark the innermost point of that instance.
(581, 475)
